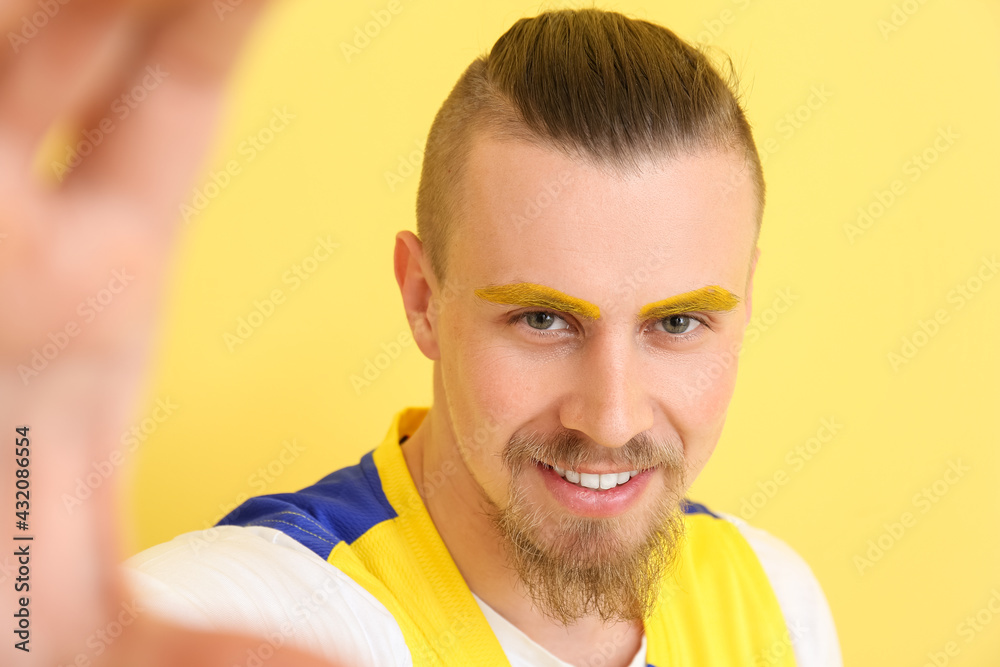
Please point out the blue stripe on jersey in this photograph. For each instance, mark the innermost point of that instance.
(341, 507)
(696, 508)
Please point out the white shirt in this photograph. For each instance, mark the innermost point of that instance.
(522, 651)
(258, 581)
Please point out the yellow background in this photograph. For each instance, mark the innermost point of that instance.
(825, 357)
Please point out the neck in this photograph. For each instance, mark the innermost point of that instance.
(455, 505)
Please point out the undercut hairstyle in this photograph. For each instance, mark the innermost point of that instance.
(610, 90)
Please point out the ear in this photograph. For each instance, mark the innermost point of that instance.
(417, 285)
(749, 294)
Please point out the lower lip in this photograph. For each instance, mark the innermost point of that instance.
(594, 502)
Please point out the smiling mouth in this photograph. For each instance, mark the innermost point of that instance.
(595, 481)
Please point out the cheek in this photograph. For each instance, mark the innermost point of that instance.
(705, 384)
(699, 399)
(482, 408)
(495, 382)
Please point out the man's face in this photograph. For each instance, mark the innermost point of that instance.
(564, 345)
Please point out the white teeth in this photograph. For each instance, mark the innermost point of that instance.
(595, 481)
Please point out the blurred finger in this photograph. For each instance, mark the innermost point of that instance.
(167, 112)
(156, 644)
(68, 63)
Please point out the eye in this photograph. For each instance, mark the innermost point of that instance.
(542, 320)
(680, 324)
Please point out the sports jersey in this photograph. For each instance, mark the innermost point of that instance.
(352, 568)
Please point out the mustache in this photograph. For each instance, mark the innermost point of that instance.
(569, 449)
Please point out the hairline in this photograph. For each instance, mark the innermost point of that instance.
(505, 130)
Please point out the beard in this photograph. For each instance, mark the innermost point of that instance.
(573, 566)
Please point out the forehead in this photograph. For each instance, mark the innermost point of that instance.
(532, 213)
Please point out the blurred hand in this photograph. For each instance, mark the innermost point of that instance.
(85, 242)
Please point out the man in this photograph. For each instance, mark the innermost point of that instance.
(588, 215)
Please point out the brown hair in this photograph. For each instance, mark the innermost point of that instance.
(597, 85)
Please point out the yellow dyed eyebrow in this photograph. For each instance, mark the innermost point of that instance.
(712, 299)
(530, 294)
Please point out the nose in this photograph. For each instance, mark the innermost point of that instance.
(608, 399)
